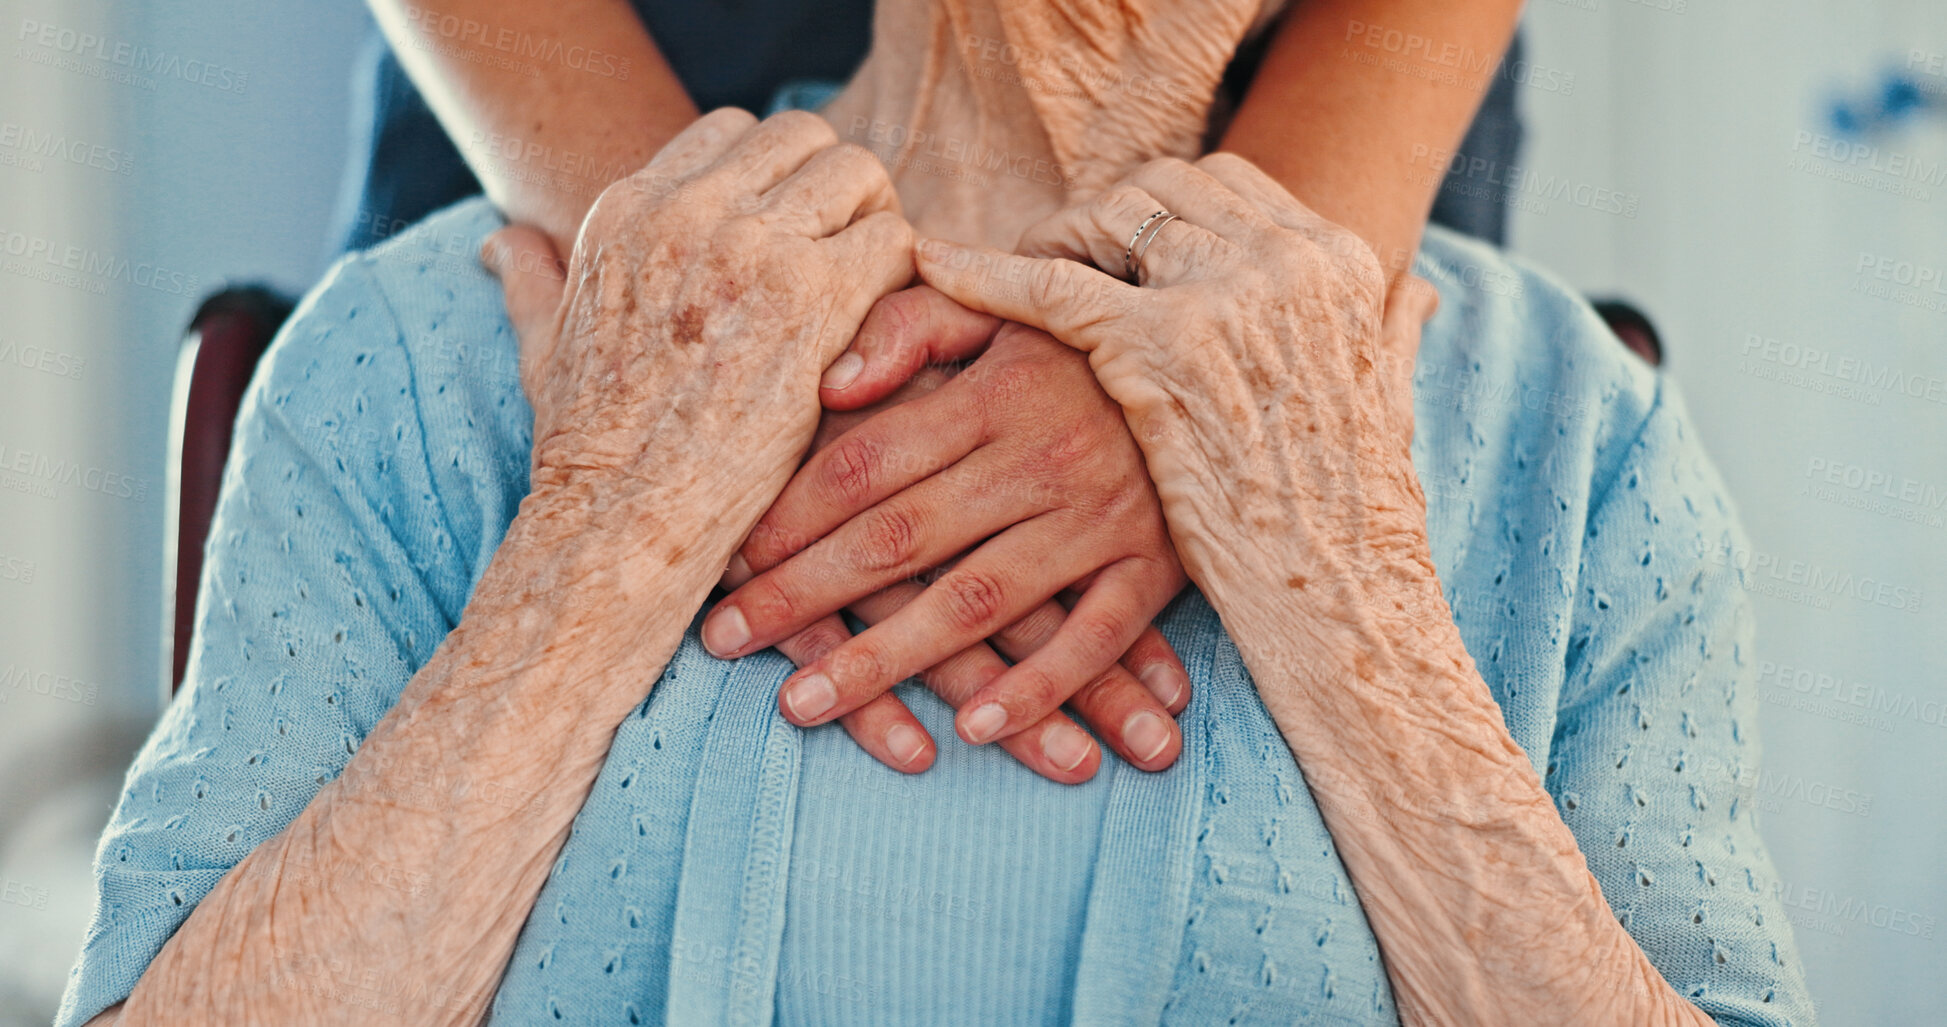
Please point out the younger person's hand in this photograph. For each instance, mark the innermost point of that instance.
(1021, 474)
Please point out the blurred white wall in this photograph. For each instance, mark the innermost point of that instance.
(1746, 248)
(1693, 108)
(222, 164)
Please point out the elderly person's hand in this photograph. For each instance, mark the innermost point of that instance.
(1237, 412)
(704, 299)
(674, 382)
(1261, 373)
(1023, 465)
(1252, 369)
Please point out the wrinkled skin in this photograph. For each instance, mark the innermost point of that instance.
(675, 273)
(1118, 82)
(681, 357)
(707, 294)
(1252, 368)
(1095, 87)
(1262, 371)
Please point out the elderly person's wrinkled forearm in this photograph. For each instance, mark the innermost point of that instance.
(466, 789)
(674, 378)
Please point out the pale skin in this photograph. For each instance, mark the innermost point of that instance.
(1338, 132)
(1279, 444)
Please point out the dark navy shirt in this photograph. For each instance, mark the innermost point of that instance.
(738, 53)
(727, 53)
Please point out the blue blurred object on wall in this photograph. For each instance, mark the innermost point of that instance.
(1897, 101)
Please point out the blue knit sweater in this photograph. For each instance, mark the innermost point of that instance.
(730, 868)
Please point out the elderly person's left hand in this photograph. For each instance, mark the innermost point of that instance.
(1239, 412)
(1261, 376)
(1278, 444)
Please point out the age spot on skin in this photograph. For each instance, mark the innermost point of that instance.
(687, 324)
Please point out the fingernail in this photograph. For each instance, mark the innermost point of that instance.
(725, 631)
(735, 575)
(810, 696)
(1165, 683)
(1065, 745)
(844, 371)
(986, 722)
(905, 742)
(1146, 735)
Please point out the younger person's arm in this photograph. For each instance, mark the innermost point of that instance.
(548, 102)
(1359, 102)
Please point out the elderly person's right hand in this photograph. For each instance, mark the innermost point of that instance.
(706, 294)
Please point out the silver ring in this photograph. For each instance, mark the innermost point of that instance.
(1129, 255)
(1137, 262)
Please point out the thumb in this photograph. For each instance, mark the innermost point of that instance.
(1409, 303)
(905, 333)
(531, 277)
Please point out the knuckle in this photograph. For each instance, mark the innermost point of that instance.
(1222, 161)
(862, 162)
(856, 666)
(1043, 286)
(1162, 169)
(901, 317)
(1095, 639)
(730, 119)
(897, 231)
(973, 599)
(805, 125)
(1035, 628)
(1336, 254)
(1088, 468)
(646, 185)
(851, 466)
(1061, 481)
(740, 233)
(770, 545)
(888, 540)
(1033, 691)
(1097, 693)
(1120, 211)
(817, 640)
(769, 600)
(1124, 199)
